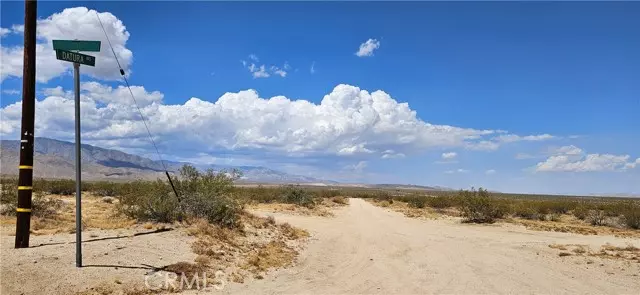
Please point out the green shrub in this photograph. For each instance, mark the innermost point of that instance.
(65, 187)
(40, 205)
(416, 201)
(152, 201)
(296, 195)
(524, 210)
(383, 196)
(441, 202)
(479, 207)
(103, 188)
(328, 193)
(206, 195)
(631, 216)
(581, 211)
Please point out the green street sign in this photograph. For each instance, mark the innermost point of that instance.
(76, 45)
(76, 57)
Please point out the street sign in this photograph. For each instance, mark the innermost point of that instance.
(79, 45)
(76, 57)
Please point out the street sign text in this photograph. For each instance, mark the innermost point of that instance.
(76, 57)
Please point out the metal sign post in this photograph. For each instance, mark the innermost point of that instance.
(76, 86)
(63, 52)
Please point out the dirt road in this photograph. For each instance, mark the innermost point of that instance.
(370, 250)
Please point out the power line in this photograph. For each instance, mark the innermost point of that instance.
(132, 96)
(126, 81)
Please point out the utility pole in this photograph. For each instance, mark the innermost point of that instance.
(25, 176)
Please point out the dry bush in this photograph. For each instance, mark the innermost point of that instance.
(555, 217)
(293, 233)
(581, 211)
(340, 200)
(272, 255)
(597, 217)
(631, 216)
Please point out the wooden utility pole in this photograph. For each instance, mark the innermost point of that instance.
(25, 178)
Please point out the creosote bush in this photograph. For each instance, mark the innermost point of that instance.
(205, 195)
(40, 205)
(297, 195)
(479, 207)
(631, 216)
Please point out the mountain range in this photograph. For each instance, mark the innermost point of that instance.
(56, 159)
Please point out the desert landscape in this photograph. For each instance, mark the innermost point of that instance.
(309, 240)
(319, 147)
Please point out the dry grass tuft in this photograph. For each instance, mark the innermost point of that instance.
(320, 209)
(293, 233)
(275, 254)
(557, 246)
(629, 252)
(340, 200)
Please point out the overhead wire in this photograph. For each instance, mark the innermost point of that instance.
(144, 121)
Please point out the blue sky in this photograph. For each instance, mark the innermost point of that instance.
(548, 75)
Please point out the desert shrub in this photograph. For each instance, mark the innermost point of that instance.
(524, 210)
(208, 195)
(581, 211)
(383, 196)
(555, 217)
(328, 193)
(296, 195)
(65, 187)
(614, 208)
(416, 201)
(259, 194)
(149, 201)
(631, 216)
(340, 200)
(561, 206)
(479, 207)
(363, 195)
(441, 202)
(597, 217)
(103, 188)
(40, 205)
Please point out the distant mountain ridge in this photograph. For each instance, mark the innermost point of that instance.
(56, 159)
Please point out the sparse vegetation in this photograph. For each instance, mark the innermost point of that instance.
(478, 207)
(202, 195)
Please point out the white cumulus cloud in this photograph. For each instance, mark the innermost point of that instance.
(72, 23)
(347, 122)
(572, 159)
(490, 172)
(367, 48)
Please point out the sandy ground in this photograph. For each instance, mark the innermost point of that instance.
(109, 256)
(363, 249)
(370, 250)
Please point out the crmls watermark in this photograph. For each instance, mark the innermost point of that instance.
(191, 281)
